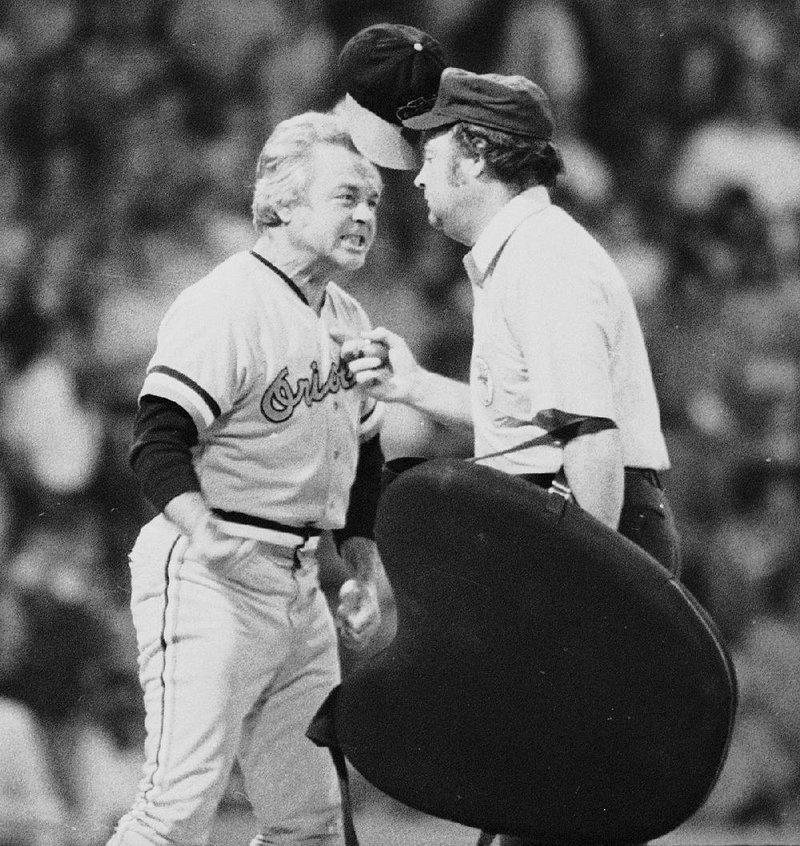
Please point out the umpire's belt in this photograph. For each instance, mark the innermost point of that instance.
(544, 480)
(270, 531)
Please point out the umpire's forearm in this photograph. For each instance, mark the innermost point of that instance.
(445, 400)
(593, 465)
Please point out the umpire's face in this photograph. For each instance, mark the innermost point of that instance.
(334, 223)
(449, 183)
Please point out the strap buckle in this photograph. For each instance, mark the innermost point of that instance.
(561, 489)
(558, 495)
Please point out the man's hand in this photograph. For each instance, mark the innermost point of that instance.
(209, 544)
(393, 376)
(358, 616)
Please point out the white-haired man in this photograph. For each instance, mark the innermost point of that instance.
(252, 439)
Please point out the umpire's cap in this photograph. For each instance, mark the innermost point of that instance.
(511, 104)
(383, 67)
(548, 679)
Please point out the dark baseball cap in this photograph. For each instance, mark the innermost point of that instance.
(511, 104)
(383, 67)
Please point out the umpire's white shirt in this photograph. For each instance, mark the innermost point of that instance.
(555, 327)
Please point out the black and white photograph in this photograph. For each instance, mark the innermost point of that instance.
(399, 423)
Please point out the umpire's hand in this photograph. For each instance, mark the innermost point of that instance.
(392, 376)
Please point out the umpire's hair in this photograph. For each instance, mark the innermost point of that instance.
(282, 171)
(511, 159)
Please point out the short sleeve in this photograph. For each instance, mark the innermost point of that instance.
(562, 326)
(200, 357)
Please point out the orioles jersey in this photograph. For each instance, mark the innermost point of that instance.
(279, 416)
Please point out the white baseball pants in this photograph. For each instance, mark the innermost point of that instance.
(233, 664)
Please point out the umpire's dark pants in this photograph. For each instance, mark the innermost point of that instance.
(647, 518)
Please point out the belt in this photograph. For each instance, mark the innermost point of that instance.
(544, 480)
(269, 530)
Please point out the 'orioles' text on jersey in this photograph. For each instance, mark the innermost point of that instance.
(278, 415)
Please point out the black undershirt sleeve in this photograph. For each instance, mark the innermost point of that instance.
(364, 494)
(161, 452)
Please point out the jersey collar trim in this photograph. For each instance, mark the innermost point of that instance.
(500, 228)
(286, 278)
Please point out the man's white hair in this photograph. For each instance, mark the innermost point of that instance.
(283, 166)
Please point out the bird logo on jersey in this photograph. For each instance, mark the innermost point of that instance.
(281, 399)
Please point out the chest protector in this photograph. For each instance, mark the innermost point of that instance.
(549, 679)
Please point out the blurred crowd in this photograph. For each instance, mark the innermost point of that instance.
(128, 138)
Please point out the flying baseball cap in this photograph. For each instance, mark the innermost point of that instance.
(383, 67)
(511, 104)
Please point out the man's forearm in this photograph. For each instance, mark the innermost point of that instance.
(362, 557)
(445, 400)
(397, 377)
(593, 465)
(186, 511)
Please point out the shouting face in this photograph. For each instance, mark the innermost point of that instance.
(335, 220)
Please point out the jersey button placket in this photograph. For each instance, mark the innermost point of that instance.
(333, 419)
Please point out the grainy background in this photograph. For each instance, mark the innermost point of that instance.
(128, 135)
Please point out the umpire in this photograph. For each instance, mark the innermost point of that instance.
(557, 343)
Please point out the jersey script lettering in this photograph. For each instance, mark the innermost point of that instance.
(280, 399)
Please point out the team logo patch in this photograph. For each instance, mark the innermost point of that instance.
(483, 379)
(280, 399)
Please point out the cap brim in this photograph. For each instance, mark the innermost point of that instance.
(429, 120)
(380, 141)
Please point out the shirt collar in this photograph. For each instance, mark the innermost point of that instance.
(288, 280)
(500, 228)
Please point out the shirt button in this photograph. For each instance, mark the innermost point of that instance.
(336, 453)
(336, 405)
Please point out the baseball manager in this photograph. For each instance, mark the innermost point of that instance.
(252, 439)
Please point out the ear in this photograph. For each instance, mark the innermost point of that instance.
(476, 167)
(473, 169)
(284, 213)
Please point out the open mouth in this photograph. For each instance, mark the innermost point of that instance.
(356, 242)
